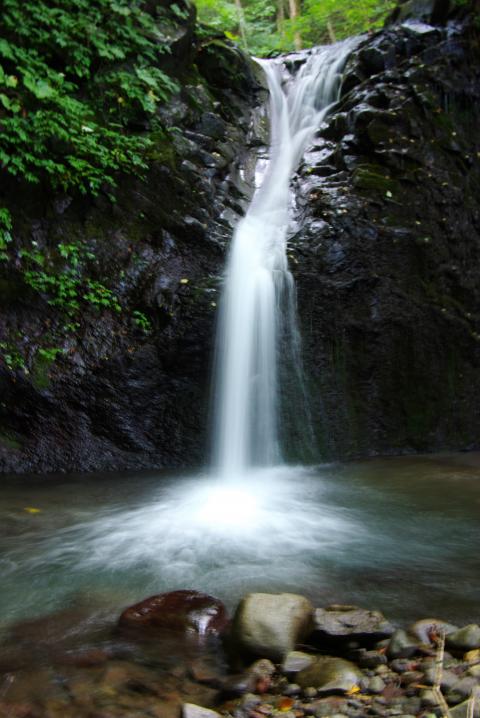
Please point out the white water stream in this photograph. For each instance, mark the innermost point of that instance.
(258, 325)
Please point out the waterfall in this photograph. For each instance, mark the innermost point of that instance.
(258, 325)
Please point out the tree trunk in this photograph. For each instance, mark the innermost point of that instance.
(242, 26)
(294, 13)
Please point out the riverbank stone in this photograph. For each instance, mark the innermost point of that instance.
(402, 645)
(428, 629)
(189, 612)
(190, 710)
(339, 623)
(465, 639)
(296, 661)
(331, 675)
(271, 625)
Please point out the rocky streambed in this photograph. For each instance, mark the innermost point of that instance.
(180, 654)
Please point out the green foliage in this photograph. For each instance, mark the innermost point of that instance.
(268, 28)
(142, 321)
(11, 356)
(73, 75)
(49, 354)
(67, 285)
(344, 17)
(5, 232)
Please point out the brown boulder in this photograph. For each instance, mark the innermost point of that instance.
(190, 612)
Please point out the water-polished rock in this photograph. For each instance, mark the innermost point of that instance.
(402, 645)
(271, 625)
(328, 674)
(465, 639)
(190, 612)
(350, 622)
(428, 630)
(296, 661)
(190, 710)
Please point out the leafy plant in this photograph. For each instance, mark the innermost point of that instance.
(66, 286)
(11, 356)
(73, 76)
(5, 235)
(268, 26)
(142, 321)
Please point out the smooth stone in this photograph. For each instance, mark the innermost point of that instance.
(341, 622)
(465, 639)
(428, 698)
(424, 629)
(330, 674)
(448, 678)
(465, 687)
(462, 710)
(474, 671)
(190, 710)
(292, 689)
(296, 661)
(191, 612)
(310, 692)
(402, 645)
(270, 624)
(262, 668)
(370, 659)
(376, 685)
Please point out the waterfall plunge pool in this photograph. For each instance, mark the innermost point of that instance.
(396, 534)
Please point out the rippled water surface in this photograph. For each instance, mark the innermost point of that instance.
(398, 534)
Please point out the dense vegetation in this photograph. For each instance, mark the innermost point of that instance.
(80, 83)
(267, 26)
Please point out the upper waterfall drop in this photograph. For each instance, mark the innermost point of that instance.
(258, 311)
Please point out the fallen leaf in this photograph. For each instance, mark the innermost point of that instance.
(32, 510)
(284, 704)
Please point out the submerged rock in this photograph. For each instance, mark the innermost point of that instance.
(190, 612)
(271, 624)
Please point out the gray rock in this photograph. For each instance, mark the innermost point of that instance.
(465, 638)
(465, 687)
(402, 645)
(429, 698)
(462, 710)
(292, 689)
(190, 710)
(340, 622)
(329, 674)
(271, 624)
(424, 630)
(448, 680)
(262, 668)
(296, 661)
(376, 685)
(310, 692)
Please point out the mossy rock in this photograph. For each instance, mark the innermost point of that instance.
(373, 178)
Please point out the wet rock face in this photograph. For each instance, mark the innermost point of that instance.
(120, 395)
(189, 612)
(388, 246)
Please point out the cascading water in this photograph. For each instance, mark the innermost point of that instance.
(259, 302)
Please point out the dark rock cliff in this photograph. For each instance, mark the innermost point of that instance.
(130, 389)
(386, 259)
(388, 252)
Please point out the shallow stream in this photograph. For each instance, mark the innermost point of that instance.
(397, 534)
